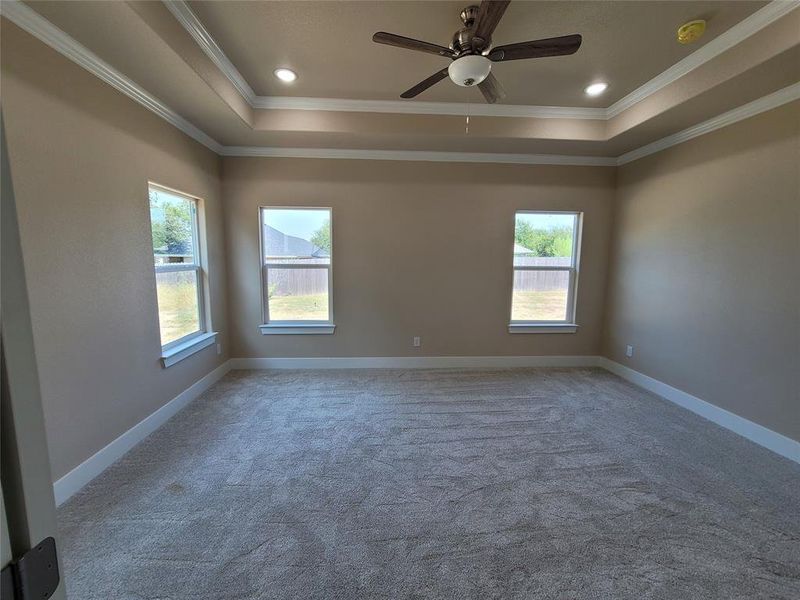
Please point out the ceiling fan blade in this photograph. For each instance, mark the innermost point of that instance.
(491, 89)
(558, 46)
(425, 84)
(489, 15)
(390, 39)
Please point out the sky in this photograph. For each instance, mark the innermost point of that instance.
(301, 223)
(547, 221)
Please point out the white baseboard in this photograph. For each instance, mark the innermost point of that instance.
(78, 477)
(771, 440)
(414, 362)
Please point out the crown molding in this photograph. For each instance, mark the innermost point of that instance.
(723, 42)
(763, 104)
(186, 17)
(428, 108)
(35, 24)
(28, 19)
(736, 34)
(420, 156)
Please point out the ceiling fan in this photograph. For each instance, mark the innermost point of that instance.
(472, 53)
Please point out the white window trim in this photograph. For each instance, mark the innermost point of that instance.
(569, 324)
(177, 350)
(296, 328)
(543, 328)
(284, 327)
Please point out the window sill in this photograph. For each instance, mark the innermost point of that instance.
(177, 353)
(297, 328)
(542, 328)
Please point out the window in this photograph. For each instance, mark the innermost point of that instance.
(296, 270)
(179, 275)
(546, 249)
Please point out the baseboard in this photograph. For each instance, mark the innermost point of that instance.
(771, 440)
(414, 362)
(78, 477)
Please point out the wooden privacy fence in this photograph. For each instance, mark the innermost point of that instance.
(297, 282)
(541, 281)
(303, 282)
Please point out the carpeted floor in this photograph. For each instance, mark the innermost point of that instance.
(457, 484)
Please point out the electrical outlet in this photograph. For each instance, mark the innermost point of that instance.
(219, 348)
(628, 350)
(417, 341)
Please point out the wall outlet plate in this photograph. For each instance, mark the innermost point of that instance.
(417, 341)
(628, 350)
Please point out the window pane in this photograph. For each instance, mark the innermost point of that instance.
(172, 220)
(178, 313)
(297, 236)
(297, 294)
(543, 239)
(540, 296)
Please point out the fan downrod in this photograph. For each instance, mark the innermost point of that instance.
(469, 14)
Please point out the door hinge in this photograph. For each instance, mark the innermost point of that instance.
(33, 575)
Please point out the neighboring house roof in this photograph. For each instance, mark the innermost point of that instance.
(522, 250)
(277, 243)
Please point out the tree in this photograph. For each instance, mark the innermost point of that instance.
(321, 238)
(544, 242)
(173, 234)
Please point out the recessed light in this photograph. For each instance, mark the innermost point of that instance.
(596, 89)
(285, 75)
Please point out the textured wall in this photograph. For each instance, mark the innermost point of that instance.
(81, 155)
(705, 280)
(418, 249)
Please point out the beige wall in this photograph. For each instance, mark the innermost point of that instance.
(706, 277)
(81, 155)
(418, 249)
(707, 247)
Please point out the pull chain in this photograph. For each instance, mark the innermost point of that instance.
(466, 127)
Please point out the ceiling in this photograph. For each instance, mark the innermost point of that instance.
(215, 70)
(329, 44)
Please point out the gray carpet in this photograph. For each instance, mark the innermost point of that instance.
(462, 484)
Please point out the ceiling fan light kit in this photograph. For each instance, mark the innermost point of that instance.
(473, 54)
(469, 70)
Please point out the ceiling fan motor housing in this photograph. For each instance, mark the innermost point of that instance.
(464, 40)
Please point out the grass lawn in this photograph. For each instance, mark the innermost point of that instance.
(312, 307)
(539, 306)
(177, 310)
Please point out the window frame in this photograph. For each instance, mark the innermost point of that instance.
(196, 266)
(300, 326)
(569, 323)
